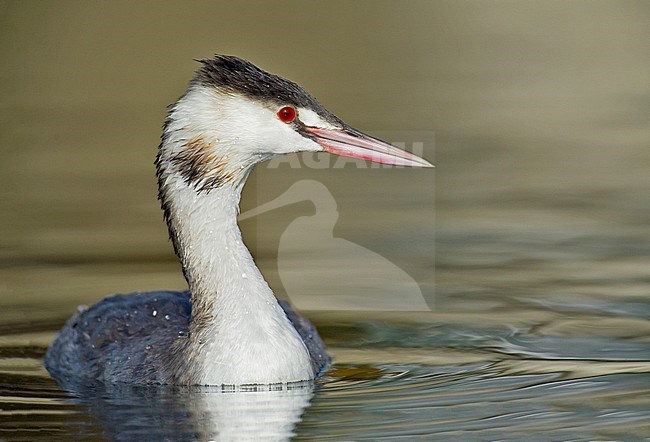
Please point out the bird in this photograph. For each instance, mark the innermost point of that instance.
(228, 328)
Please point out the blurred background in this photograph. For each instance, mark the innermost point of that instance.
(529, 241)
(539, 111)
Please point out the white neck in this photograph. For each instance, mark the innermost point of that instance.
(238, 332)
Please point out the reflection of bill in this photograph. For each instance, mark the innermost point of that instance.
(320, 271)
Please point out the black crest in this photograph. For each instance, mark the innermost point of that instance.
(235, 75)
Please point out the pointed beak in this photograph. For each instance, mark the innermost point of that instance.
(349, 142)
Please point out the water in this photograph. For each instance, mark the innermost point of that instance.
(535, 270)
(432, 377)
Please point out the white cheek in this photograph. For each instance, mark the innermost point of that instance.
(258, 129)
(287, 140)
(241, 127)
(311, 118)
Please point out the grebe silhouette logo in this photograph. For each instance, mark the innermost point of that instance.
(309, 254)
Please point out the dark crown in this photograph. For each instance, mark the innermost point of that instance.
(237, 76)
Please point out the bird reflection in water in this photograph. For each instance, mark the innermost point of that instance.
(255, 412)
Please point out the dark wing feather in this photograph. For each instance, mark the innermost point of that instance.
(319, 358)
(127, 338)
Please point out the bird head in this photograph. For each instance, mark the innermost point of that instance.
(235, 115)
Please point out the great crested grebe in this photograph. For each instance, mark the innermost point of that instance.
(229, 328)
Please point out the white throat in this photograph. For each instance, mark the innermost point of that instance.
(238, 332)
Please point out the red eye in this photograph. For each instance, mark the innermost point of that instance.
(287, 114)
